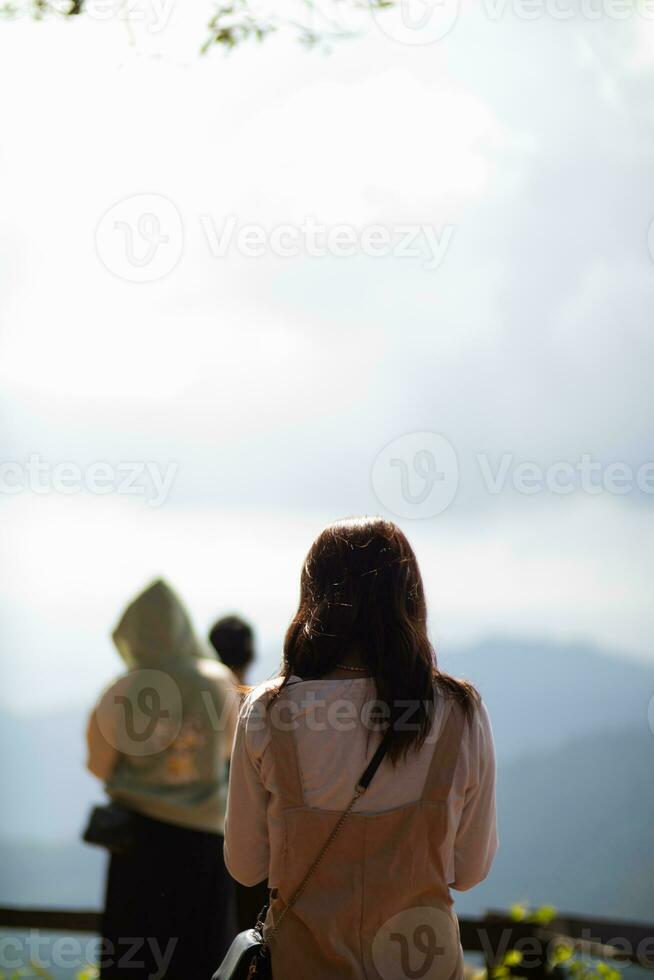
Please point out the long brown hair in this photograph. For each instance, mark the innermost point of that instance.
(361, 590)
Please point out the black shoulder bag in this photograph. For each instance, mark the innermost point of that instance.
(111, 826)
(249, 954)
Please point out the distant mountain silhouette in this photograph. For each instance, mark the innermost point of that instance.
(576, 829)
(541, 694)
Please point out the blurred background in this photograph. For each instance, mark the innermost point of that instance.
(195, 381)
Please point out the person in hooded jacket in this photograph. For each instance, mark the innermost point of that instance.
(160, 738)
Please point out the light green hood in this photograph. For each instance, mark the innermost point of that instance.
(155, 629)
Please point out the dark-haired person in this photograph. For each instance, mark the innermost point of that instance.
(233, 640)
(357, 653)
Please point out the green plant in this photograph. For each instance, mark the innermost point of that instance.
(541, 916)
(235, 22)
(88, 972)
(563, 960)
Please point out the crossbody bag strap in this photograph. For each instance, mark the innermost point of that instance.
(361, 787)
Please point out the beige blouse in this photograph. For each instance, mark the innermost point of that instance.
(334, 747)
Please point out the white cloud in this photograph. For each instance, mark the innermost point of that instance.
(274, 383)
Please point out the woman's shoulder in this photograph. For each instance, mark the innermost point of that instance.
(464, 699)
(264, 690)
(255, 703)
(253, 722)
(263, 693)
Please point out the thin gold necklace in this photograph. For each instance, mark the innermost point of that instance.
(347, 667)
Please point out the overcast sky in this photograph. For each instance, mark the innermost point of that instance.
(511, 158)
